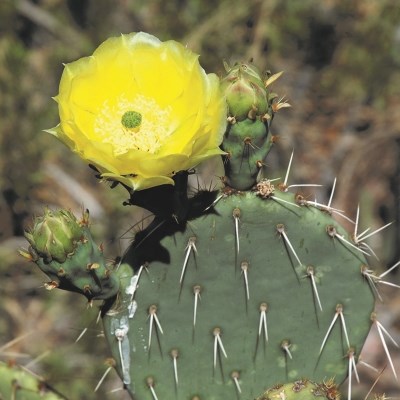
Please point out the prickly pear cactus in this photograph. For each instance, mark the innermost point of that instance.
(261, 287)
(18, 384)
(242, 292)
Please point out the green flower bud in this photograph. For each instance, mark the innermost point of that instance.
(55, 235)
(245, 92)
(63, 248)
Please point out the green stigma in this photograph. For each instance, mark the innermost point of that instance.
(131, 119)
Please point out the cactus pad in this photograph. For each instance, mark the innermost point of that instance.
(63, 248)
(243, 298)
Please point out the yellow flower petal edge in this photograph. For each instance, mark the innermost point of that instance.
(140, 110)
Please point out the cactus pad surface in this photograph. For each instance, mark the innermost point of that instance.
(260, 290)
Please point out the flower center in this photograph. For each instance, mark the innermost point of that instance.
(131, 119)
(138, 124)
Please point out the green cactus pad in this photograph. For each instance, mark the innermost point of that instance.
(257, 270)
(247, 143)
(247, 140)
(17, 384)
(65, 251)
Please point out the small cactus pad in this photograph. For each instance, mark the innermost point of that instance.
(247, 140)
(63, 248)
(17, 384)
(258, 291)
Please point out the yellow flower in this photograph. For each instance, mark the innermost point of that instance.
(140, 110)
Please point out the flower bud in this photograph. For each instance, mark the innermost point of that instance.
(245, 92)
(54, 235)
(63, 248)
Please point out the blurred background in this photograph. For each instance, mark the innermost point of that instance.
(341, 60)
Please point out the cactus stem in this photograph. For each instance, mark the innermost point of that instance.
(381, 329)
(285, 345)
(175, 355)
(311, 274)
(236, 217)
(218, 345)
(235, 376)
(281, 230)
(244, 266)
(191, 245)
(262, 326)
(150, 384)
(153, 320)
(196, 292)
